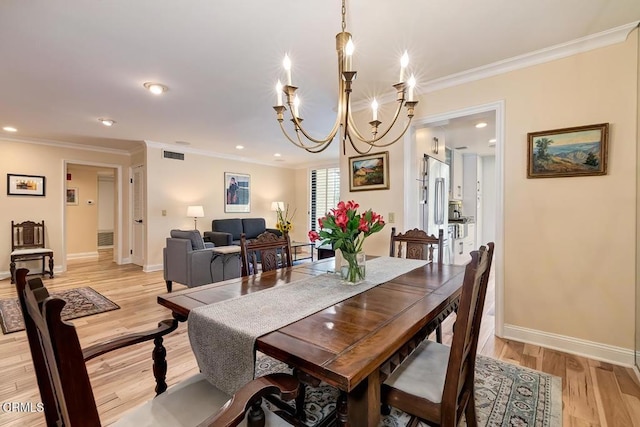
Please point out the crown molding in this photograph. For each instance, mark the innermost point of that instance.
(563, 50)
(208, 153)
(71, 145)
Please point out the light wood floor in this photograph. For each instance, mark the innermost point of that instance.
(594, 393)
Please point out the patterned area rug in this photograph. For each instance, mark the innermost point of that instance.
(506, 395)
(81, 302)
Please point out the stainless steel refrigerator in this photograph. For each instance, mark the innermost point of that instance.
(434, 183)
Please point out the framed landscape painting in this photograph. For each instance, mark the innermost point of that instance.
(369, 172)
(237, 192)
(576, 151)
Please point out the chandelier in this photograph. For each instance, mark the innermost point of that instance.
(344, 120)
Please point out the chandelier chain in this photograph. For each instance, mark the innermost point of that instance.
(344, 13)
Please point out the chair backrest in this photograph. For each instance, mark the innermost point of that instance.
(461, 369)
(27, 235)
(62, 375)
(416, 244)
(273, 252)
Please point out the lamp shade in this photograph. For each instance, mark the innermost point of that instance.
(277, 205)
(195, 211)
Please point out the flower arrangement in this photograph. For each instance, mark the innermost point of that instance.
(346, 229)
(283, 223)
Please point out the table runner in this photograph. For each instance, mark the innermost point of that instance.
(223, 335)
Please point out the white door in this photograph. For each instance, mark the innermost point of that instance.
(137, 215)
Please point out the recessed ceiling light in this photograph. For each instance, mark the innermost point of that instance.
(277, 155)
(156, 88)
(239, 147)
(10, 129)
(107, 122)
(481, 125)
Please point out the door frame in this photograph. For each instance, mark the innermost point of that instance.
(144, 223)
(409, 178)
(117, 245)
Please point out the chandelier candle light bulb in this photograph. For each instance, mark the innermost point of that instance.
(412, 85)
(404, 62)
(287, 67)
(348, 50)
(296, 105)
(279, 93)
(374, 107)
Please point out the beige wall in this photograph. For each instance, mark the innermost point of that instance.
(46, 160)
(172, 185)
(637, 336)
(569, 249)
(82, 219)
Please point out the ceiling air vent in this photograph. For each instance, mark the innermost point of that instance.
(172, 155)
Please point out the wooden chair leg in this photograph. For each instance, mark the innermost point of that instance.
(51, 267)
(169, 285)
(439, 334)
(12, 270)
(470, 414)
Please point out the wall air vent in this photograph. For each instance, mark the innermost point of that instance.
(462, 147)
(172, 155)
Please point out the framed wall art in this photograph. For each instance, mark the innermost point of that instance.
(576, 151)
(72, 195)
(237, 191)
(25, 185)
(369, 172)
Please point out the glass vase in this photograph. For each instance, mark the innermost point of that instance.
(352, 267)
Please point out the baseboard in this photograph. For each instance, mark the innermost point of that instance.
(154, 267)
(125, 261)
(83, 255)
(590, 349)
(7, 274)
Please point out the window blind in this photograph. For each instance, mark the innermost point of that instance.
(325, 193)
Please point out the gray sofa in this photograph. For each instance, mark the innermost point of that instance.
(192, 262)
(226, 232)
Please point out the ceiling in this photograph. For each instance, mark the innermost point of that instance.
(64, 65)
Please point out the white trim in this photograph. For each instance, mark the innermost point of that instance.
(562, 50)
(152, 267)
(63, 144)
(580, 347)
(409, 202)
(57, 269)
(83, 255)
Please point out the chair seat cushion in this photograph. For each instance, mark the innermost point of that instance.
(422, 374)
(32, 251)
(188, 403)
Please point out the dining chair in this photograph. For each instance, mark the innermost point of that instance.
(417, 244)
(66, 391)
(28, 244)
(435, 383)
(268, 249)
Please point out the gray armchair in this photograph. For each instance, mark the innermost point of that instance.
(188, 261)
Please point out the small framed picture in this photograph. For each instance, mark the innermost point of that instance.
(72, 195)
(369, 172)
(576, 151)
(237, 191)
(25, 185)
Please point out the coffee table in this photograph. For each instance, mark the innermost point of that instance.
(295, 246)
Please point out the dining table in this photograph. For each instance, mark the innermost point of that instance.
(351, 343)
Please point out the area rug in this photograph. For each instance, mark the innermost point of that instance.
(81, 302)
(506, 395)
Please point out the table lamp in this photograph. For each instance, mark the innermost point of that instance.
(195, 212)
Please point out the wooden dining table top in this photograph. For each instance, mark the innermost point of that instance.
(347, 343)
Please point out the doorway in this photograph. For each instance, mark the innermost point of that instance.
(494, 166)
(137, 215)
(88, 212)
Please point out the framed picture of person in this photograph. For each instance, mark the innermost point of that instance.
(237, 192)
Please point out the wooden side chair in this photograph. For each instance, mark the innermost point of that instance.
(28, 244)
(66, 392)
(270, 250)
(436, 382)
(417, 244)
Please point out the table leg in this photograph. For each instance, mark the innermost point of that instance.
(361, 407)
